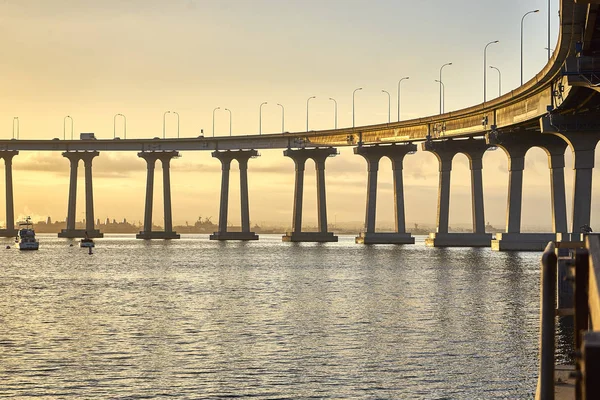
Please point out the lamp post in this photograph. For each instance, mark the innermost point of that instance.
(215, 109)
(65, 127)
(389, 102)
(282, 117)
(522, 19)
(485, 68)
(334, 112)
(227, 109)
(353, 93)
(548, 29)
(176, 113)
(164, 122)
(115, 126)
(441, 95)
(442, 87)
(399, 82)
(307, 100)
(499, 80)
(16, 120)
(260, 117)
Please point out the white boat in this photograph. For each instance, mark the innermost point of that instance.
(26, 237)
(86, 242)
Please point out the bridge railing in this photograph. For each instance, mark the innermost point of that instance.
(584, 275)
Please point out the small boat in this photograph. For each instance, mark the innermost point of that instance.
(86, 241)
(26, 236)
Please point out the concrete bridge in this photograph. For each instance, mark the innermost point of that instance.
(558, 108)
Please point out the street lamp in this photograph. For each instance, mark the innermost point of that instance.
(522, 19)
(353, 93)
(389, 102)
(164, 122)
(215, 109)
(227, 109)
(16, 119)
(499, 80)
(334, 112)
(485, 67)
(399, 82)
(443, 88)
(282, 117)
(307, 100)
(115, 126)
(260, 118)
(176, 113)
(65, 127)
(548, 29)
(440, 81)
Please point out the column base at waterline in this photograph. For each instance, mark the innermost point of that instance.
(522, 241)
(458, 240)
(384, 238)
(233, 236)
(309, 237)
(157, 235)
(8, 232)
(80, 233)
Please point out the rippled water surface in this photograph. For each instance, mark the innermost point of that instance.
(193, 318)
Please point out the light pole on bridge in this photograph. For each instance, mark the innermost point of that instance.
(442, 92)
(282, 117)
(176, 113)
(522, 19)
(227, 109)
(260, 117)
(353, 93)
(215, 109)
(307, 101)
(115, 126)
(485, 68)
(399, 82)
(16, 119)
(442, 88)
(65, 127)
(389, 102)
(499, 80)
(334, 112)
(165, 122)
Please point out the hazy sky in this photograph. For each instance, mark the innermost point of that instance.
(93, 59)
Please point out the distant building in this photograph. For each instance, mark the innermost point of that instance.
(48, 220)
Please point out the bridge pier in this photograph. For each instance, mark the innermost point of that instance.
(516, 146)
(151, 157)
(319, 155)
(89, 231)
(445, 152)
(242, 157)
(10, 230)
(373, 154)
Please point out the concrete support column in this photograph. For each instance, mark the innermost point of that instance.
(582, 196)
(476, 165)
(151, 163)
(89, 231)
(399, 212)
(10, 230)
(515, 193)
(371, 212)
(300, 164)
(89, 194)
(165, 158)
(321, 199)
(443, 209)
(10, 206)
(319, 156)
(167, 193)
(72, 207)
(224, 204)
(245, 206)
(556, 162)
(242, 157)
